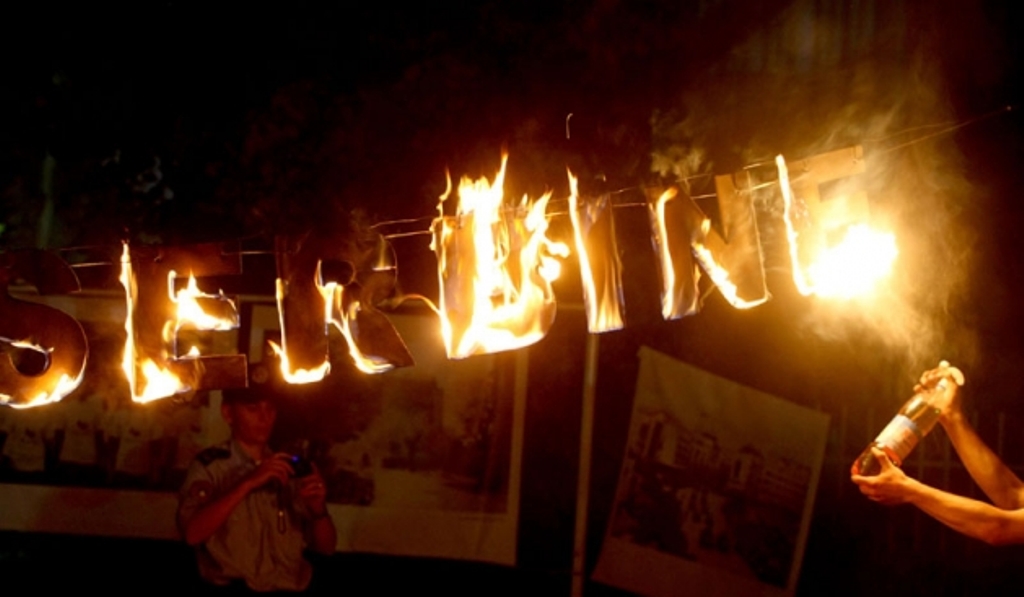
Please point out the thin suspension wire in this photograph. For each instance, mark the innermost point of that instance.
(949, 127)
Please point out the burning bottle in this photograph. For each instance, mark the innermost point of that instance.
(915, 419)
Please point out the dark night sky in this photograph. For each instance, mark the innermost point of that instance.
(289, 117)
(293, 115)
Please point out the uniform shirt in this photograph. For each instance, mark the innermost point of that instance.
(262, 541)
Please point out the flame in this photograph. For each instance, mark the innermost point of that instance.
(339, 316)
(25, 345)
(855, 265)
(509, 267)
(157, 382)
(65, 385)
(602, 307)
(719, 275)
(298, 376)
(191, 313)
(852, 267)
(343, 321)
(668, 270)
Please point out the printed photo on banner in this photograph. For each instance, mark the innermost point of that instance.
(420, 461)
(433, 449)
(97, 436)
(716, 489)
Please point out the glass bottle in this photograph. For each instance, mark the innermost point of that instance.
(914, 420)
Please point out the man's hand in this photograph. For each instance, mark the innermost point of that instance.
(212, 514)
(275, 468)
(947, 400)
(890, 487)
(313, 493)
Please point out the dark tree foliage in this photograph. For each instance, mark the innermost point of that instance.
(177, 122)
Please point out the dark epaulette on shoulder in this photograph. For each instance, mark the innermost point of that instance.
(209, 455)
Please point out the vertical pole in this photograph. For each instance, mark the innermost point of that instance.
(520, 396)
(45, 225)
(843, 478)
(583, 479)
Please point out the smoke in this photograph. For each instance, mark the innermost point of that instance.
(815, 81)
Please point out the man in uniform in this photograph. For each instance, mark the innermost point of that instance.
(245, 511)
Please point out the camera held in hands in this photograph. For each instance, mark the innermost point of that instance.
(302, 467)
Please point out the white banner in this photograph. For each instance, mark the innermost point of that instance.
(418, 461)
(716, 490)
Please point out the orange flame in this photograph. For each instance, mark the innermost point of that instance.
(152, 376)
(156, 382)
(669, 299)
(495, 269)
(719, 275)
(343, 317)
(852, 267)
(602, 306)
(683, 227)
(190, 312)
(65, 385)
(299, 376)
(855, 265)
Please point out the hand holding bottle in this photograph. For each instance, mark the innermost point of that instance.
(890, 486)
(932, 398)
(945, 397)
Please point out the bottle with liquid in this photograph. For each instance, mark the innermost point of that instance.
(914, 420)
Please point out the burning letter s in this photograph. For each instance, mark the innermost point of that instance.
(27, 330)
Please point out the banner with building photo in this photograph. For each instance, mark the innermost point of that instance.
(716, 489)
(96, 462)
(418, 461)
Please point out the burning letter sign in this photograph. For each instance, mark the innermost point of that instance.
(335, 280)
(843, 269)
(495, 266)
(593, 227)
(732, 259)
(54, 338)
(678, 269)
(159, 309)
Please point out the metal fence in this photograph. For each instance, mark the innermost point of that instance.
(859, 547)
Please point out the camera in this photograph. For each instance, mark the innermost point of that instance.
(301, 467)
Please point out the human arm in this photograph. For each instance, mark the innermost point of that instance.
(991, 474)
(213, 511)
(996, 479)
(323, 536)
(976, 519)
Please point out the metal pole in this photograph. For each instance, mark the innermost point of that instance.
(44, 227)
(583, 480)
